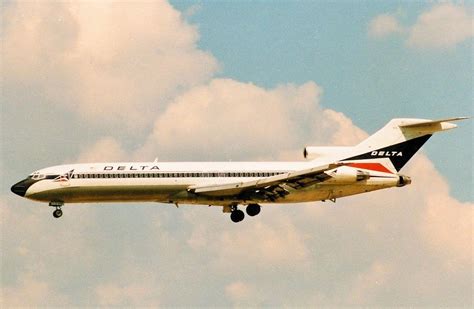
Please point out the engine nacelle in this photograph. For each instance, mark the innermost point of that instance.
(346, 174)
(313, 152)
(403, 181)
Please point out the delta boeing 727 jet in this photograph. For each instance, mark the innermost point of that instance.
(327, 174)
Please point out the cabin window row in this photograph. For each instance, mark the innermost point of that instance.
(173, 175)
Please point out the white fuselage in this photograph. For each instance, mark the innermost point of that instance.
(168, 182)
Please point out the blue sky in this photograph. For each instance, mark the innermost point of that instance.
(370, 80)
(131, 81)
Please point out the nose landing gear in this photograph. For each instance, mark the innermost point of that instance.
(57, 212)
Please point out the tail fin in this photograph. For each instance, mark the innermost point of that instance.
(400, 139)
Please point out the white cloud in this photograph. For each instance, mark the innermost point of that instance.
(341, 129)
(127, 294)
(243, 294)
(367, 284)
(117, 63)
(447, 227)
(239, 121)
(384, 25)
(107, 149)
(238, 290)
(444, 26)
(265, 246)
(28, 291)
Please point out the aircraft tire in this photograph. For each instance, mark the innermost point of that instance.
(237, 215)
(57, 213)
(252, 209)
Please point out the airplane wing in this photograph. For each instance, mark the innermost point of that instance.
(269, 188)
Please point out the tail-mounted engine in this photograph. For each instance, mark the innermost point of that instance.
(313, 152)
(403, 181)
(345, 174)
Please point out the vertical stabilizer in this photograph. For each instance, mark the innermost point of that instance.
(400, 139)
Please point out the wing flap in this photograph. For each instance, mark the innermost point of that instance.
(269, 187)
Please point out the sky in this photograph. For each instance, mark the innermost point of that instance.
(198, 80)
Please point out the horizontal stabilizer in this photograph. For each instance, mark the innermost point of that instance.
(436, 125)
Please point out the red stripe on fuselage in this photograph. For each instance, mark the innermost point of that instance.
(377, 167)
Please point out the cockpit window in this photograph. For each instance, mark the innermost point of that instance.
(37, 176)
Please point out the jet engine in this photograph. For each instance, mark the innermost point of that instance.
(313, 152)
(403, 181)
(345, 174)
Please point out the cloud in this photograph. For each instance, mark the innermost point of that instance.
(107, 149)
(227, 119)
(238, 290)
(28, 291)
(243, 294)
(447, 228)
(384, 25)
(129, 294)
(115, 63)
(265, 247)
(443, 26)
(365, 287)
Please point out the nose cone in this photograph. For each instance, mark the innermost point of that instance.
(20, 188)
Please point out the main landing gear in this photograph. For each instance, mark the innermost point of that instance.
(57, 212)
(237, 215)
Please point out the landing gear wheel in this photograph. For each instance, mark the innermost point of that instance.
(57, 213)
(253, 209)
(237, 215)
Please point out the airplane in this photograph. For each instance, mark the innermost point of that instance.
(328, 173)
